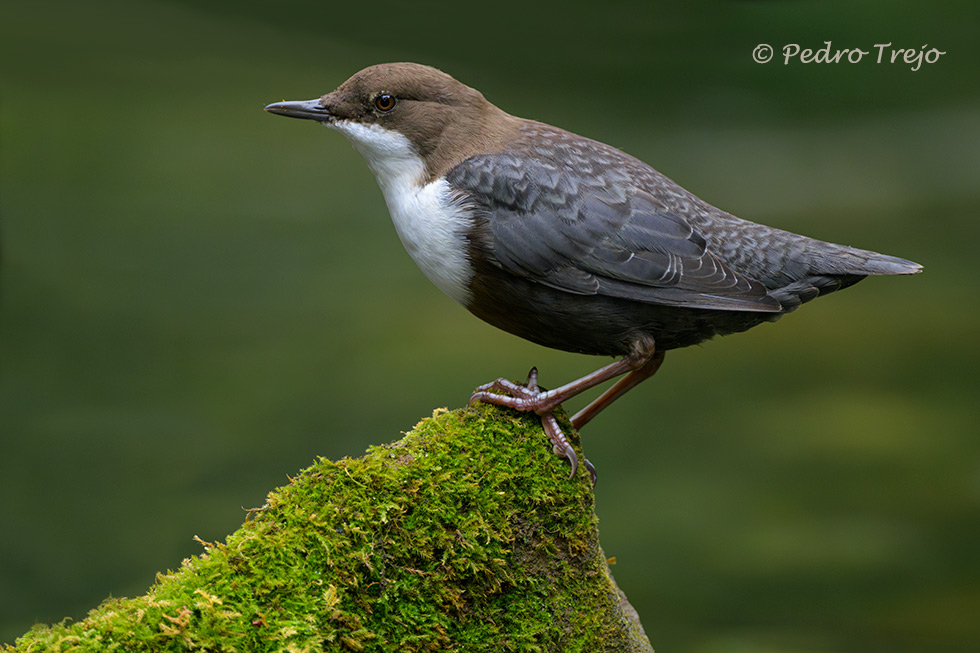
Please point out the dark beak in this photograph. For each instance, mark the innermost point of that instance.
(308, 110)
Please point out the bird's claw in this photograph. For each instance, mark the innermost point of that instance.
(530, 398)
(593, 476)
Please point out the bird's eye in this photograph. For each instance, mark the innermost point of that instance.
(385, 102)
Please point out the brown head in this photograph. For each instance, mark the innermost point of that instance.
(444, 120)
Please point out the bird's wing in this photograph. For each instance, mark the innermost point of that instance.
(597, 235)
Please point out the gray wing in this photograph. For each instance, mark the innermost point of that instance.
(597, 234)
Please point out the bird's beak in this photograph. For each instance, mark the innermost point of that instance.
(308, 109)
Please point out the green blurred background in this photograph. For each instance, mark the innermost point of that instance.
(198, 298)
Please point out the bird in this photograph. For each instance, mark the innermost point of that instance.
(566, 241)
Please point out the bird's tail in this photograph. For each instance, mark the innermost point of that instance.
(832, 267)
(844, 260)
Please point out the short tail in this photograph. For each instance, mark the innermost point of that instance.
(843, 260)
(833, 267)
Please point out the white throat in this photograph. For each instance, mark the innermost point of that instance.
(430, 222)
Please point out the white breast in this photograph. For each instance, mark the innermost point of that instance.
(431, 225)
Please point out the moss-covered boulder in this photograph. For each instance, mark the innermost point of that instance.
(466, 535)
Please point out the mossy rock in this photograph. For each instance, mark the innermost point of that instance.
(466, 535)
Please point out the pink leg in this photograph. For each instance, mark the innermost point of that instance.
(624, 385)
(530, 397)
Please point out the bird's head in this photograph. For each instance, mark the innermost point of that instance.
(392, 111)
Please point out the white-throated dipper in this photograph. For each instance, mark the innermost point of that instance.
(565, 241)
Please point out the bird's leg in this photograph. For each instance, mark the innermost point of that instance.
(625, 384)
(543, 402)
(559, 443)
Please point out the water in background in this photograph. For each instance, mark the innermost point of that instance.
(198, 298)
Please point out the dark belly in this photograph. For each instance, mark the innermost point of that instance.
(595, 324)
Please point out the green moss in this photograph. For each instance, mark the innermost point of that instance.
(466, 535)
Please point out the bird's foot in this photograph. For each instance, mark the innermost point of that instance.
(530, 398)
